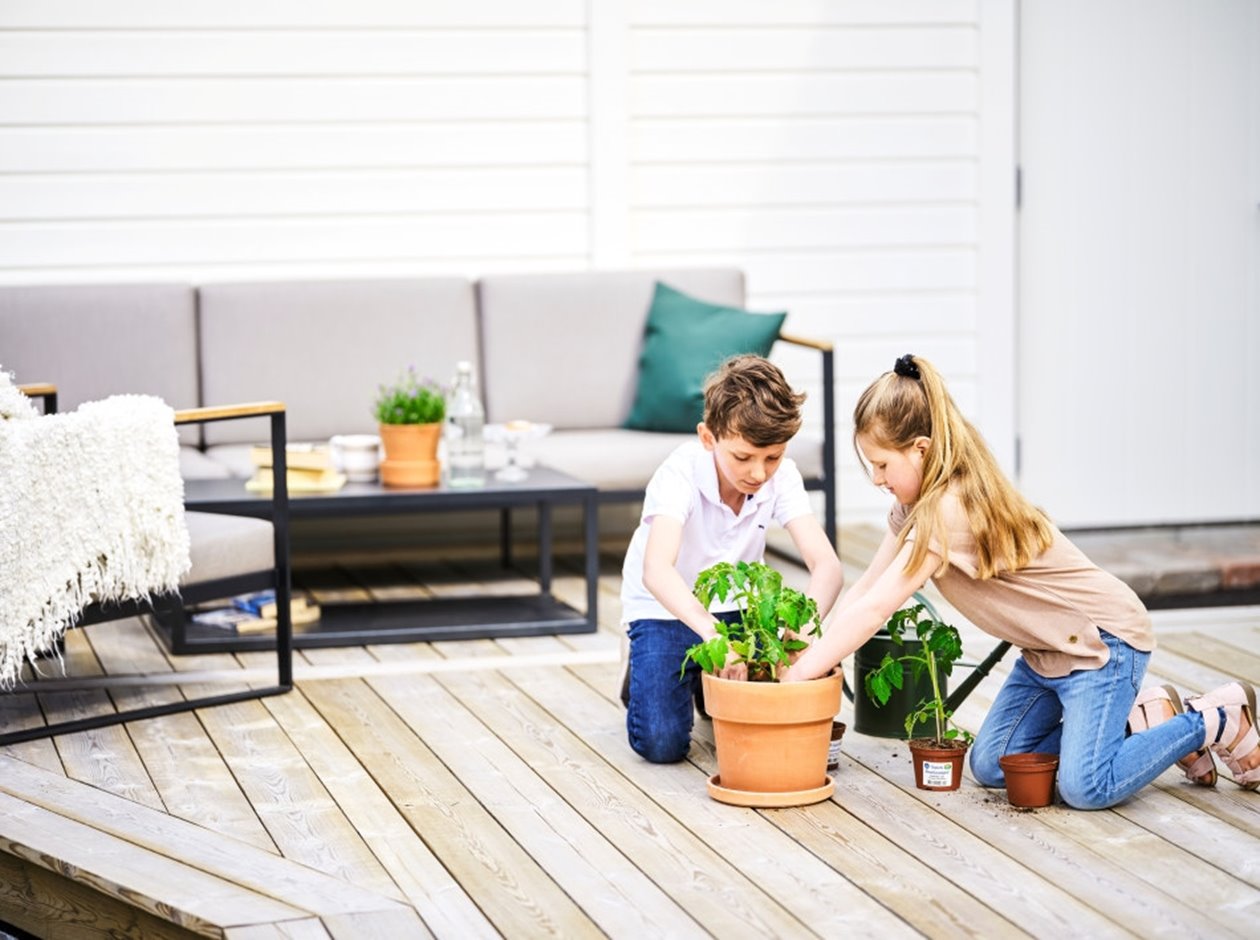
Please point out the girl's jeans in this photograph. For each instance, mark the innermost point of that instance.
(1082, 717)
(660, 714)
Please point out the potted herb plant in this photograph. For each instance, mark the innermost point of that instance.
(772, 738)
(410, 414)
(938, 759)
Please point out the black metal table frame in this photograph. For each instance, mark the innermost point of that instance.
(428, 619)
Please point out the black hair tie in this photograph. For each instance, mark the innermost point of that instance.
(905, 366)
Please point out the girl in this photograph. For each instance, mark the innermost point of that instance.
(1085, 636)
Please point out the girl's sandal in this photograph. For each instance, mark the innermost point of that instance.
(1234, 700)
(1199, 769)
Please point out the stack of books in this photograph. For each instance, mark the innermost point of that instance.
(309, 469)
(256, 613)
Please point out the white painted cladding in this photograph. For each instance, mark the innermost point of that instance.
(846, 154)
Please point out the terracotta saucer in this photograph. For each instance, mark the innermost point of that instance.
(756, 798)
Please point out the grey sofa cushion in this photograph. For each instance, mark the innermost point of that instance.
(194, 465)
(618, 459)
(222, 546)
(564, 348)
(97, 340)
(324, 347)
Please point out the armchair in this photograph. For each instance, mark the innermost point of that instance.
(230, 555)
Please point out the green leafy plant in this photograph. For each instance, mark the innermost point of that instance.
(772, 619)
(940, 648)
(410, 400)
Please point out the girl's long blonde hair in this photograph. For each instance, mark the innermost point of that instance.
(912, 402)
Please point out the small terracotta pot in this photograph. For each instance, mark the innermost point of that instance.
(411, 454)
(772, 738)
(1029, 778)
(937, 768)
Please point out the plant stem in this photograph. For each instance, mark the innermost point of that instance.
(938, 706)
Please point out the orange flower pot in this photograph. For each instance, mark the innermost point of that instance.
(411, 454)
(772, 739)
(1029, 778)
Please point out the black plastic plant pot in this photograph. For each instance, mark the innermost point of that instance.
(889, 720)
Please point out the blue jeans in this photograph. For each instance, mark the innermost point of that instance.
(1082, 717)
(660, 715)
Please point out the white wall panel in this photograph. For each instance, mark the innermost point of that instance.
(288, 14)
(657, 186)
(733, 228)
(796, 138)
(289, 192)
(804, 93)
(291, 137)
(288, 53)
(300, 146)
(831, 149)
(281, 100)
(719, 48)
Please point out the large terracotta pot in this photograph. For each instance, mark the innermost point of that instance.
(772, 739)
(411, 454)
(937, 768)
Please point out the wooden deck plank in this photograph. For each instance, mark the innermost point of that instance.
(299, 885)
(1235, 662)
(117, 868)
(682, 866)
(425, 883)
(300, 816)
(103, 757)
(620, 900)
(676, 858)
(47, 903)
(186, 768)
(820, 897)
(514, 893)
(1013, 859)
(1154, 825)
(308, 928)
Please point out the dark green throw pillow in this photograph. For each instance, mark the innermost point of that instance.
(685, 340)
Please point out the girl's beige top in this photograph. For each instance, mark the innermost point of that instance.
(1052, 609)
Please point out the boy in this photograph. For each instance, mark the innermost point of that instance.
(711, 501)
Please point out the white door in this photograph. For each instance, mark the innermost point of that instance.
(1139, 260)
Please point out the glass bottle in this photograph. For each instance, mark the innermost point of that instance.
(465, 422)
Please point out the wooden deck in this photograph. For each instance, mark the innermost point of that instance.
(485, 789)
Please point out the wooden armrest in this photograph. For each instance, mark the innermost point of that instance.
(218, 413)
(37, 389)
(820, 345)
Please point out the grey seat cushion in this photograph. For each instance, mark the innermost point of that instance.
(194, 465)
(223, 546)
(97, 340)
(564, 348)
(325, 347)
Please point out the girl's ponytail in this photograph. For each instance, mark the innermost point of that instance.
(911, 402)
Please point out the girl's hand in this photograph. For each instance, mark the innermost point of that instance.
(786, 675)
(734, 668)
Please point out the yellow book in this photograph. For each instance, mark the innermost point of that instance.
(299, 481)
(313, 457)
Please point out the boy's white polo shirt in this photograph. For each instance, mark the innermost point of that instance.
(685, 487)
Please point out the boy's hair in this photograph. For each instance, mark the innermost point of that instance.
(912, 402)
(748, 397)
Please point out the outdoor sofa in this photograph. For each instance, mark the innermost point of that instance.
(562, 349)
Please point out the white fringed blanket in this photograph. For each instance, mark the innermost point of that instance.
(91, 509)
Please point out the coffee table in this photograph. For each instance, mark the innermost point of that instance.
(450, 618)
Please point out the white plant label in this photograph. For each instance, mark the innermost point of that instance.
(937, 773)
